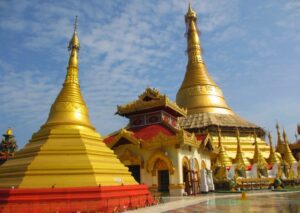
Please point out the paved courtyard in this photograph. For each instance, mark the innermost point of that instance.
(267, 202)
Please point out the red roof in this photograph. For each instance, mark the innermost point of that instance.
(148, 132)
(295, 145)
(145, 132)
(109, 139)
(201, 137)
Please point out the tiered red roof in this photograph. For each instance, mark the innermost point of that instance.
(148, 132)
(145, 132)
(201, 137)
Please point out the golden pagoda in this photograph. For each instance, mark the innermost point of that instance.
(287, 156)
(240, 159)
(222, 159)
(67, 151)
(280, 144)
(258, 157)
(206, 106)
(273, 157)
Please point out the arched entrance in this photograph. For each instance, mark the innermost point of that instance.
(160, 165)
(163, 179)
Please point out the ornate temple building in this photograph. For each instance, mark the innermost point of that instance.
(66, 167)
(157, 150)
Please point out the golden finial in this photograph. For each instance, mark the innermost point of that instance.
(9, 132)
(74, 42)
(191, 14)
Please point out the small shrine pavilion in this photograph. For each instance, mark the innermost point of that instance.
(157, 151)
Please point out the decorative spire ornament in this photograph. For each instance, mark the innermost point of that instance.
(280, 145)
(287, 156)
(273, 158)
(240, 160)
(222, 158)
(258, 157)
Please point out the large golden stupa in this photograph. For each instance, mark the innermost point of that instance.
(206, 106)
(67, 151)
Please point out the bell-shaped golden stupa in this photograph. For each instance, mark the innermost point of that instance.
(206, 107)
(67, 151)
(198, 92)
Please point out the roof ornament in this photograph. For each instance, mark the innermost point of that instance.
(75, 24)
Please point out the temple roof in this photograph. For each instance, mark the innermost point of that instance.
(295, 145)
(143, 133)
(151, 98)
(156, 135)
(207, 119)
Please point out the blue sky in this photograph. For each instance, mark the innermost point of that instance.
(251, 48)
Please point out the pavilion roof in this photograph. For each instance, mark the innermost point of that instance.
(151, 98)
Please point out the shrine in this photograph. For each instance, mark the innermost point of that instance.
(157, 151)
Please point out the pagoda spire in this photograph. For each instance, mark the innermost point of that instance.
(280, 145)
(258, 157)
(223, 158)
(198, 92)
(273, 158)
(240, 160)
(287, 156)
(69, 106)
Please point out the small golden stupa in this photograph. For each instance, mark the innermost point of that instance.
(273, 157)
(287, 155)
(67, 151)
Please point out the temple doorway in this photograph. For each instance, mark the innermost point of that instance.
(135, 172)
(163, 180)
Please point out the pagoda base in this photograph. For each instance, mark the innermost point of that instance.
(77, 199)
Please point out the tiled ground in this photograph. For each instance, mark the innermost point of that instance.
(257, 202)
(266, 204)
